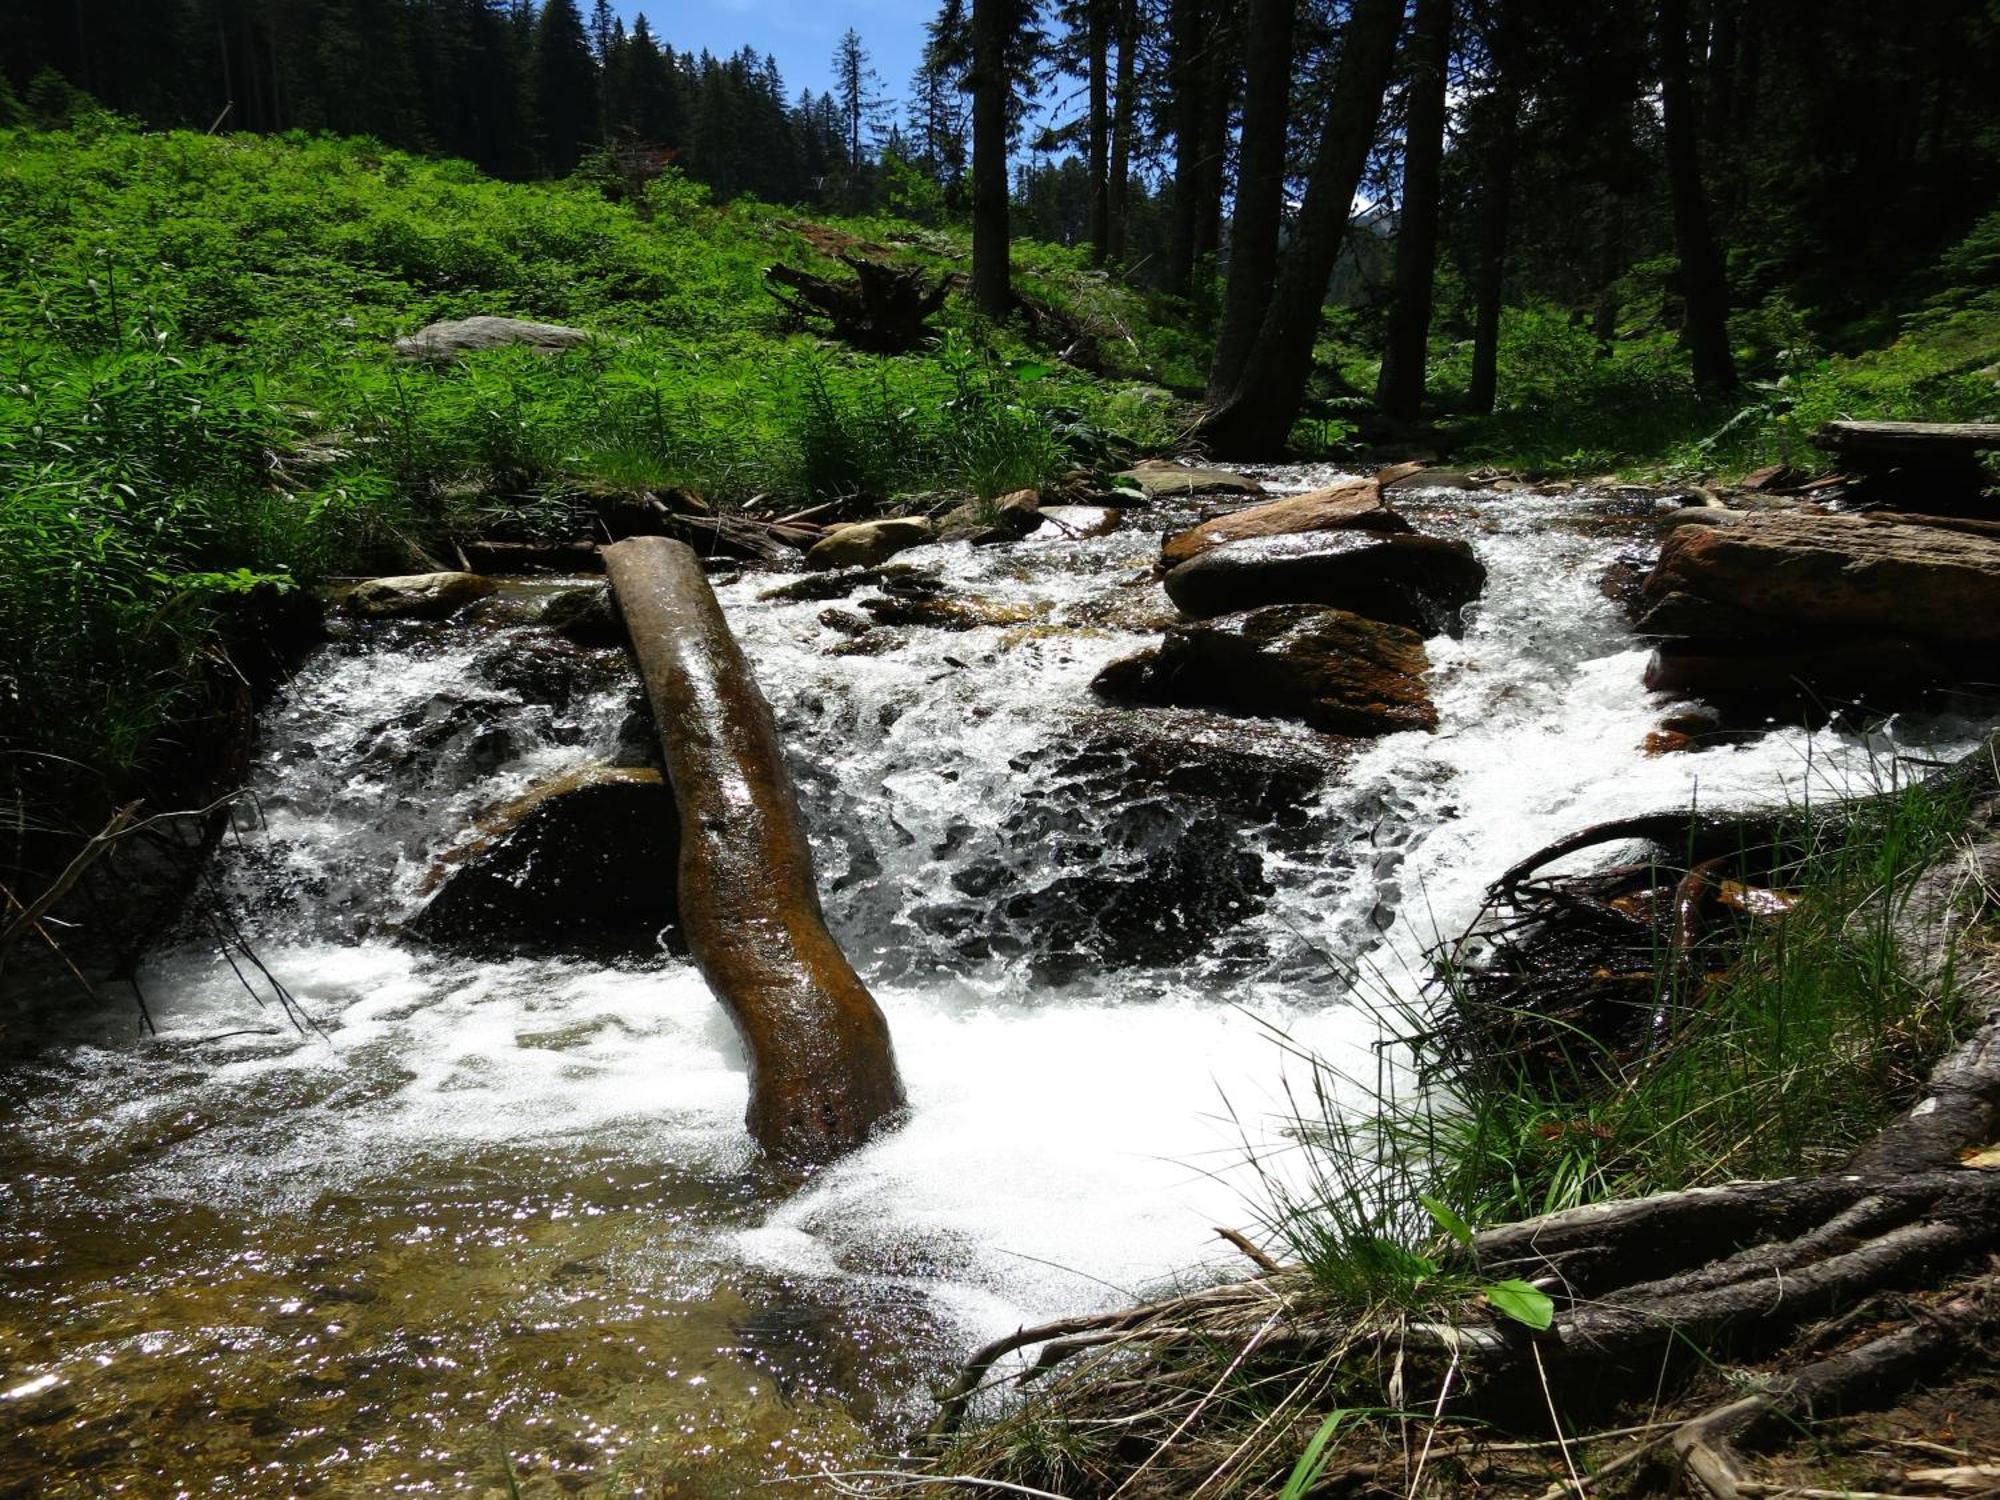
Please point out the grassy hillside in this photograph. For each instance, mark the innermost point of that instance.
(202, 398)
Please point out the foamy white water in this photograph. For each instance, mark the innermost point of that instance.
(1081, 1085)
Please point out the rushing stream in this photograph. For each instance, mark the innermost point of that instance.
(498, 1221)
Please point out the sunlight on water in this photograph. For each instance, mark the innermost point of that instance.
(502, 1218)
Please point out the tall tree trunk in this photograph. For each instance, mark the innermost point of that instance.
(1220, 61)
(1496, 205)
(1610, 266)
(992, 289)
(1704, 285)
(1260, 188)
(1184, 72)
(1256, 417)
(1124, 109)
(1099, 23)
(1399, 390)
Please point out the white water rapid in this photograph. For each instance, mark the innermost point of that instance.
(504, 1213)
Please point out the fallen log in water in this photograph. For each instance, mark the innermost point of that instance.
(822, 1072)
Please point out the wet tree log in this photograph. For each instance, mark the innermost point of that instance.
(822, 1073)
(884, 310)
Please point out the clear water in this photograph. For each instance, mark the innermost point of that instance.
(499, 1221)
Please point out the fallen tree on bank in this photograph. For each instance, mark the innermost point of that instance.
(1847, 1283)
(823, 1075)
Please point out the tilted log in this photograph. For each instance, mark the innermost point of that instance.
(822, 1073)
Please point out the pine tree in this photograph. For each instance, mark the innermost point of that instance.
(565, 86)
(858, 89)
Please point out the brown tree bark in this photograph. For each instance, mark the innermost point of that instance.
(1260, 188)
(1704, 283)
(1399, 390)
(1256, 416)
(992, 283)
(822, 1073)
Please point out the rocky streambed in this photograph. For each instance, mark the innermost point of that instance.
(491, 1218)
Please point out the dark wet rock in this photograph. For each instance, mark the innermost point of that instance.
(584, 616)
(897, 578)
(583, 864)
(946, 612)
(1161, 478)
(1327, 668)
(1757, 678)
(416, 596)
(1140, 841)
(543, 669)
(1420, 582)
(429, 733)
(865, 543)
(449, 339)
(1351, 505)
(846, 621)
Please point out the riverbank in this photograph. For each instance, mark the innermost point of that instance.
(1461, 1301)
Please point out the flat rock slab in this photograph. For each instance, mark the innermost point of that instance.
(1422, 583)
(1801, 573)
(1327, 668)
(449, 339)
(416, 596)
(583, 863)
(1161, 478)
(1351, 505)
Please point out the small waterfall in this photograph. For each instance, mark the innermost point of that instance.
(1080, 921)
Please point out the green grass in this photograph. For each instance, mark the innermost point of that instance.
(200, 396)
(1800, 1037)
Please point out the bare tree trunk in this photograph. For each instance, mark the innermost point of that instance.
(1185, 39)
(1221, 60)
(992, 286)
(1496, 202)
(1256, 417)
(1260, 188)
(1100, 129)
(1123, 110)
(1704, 284)
(1399, 390)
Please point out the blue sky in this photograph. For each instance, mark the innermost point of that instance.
(801, 34)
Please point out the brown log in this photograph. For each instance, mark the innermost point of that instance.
(822, 1073)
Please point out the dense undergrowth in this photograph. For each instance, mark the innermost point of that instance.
(201, 397)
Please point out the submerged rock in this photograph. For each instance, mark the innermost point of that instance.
(865, 543)
(584, 863)
(453, 337)
(416, 596)
(1139, 841)
(1328, 668)
(1351, 505)
(1420, 582)
(1162, 478)
(583, 616)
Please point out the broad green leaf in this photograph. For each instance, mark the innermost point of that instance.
(1522, 1302)
(1446, 1220)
